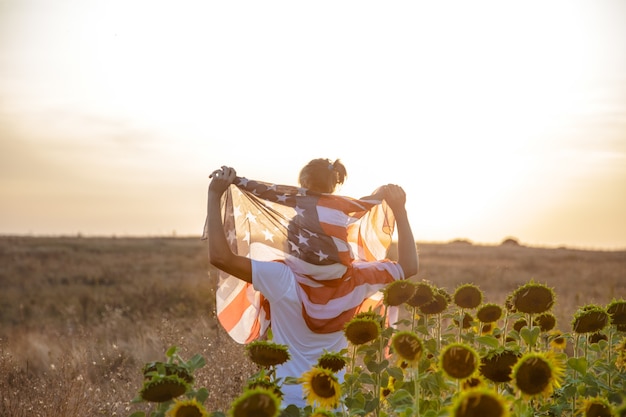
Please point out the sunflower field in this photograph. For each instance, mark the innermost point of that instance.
(450, 354)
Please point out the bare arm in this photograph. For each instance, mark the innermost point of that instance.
(407, 250)
(220, 254)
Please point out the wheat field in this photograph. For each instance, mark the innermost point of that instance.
(80, 316)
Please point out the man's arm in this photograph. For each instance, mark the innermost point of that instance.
(407, 250)
(220, 254)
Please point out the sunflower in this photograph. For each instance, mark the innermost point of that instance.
(597, 337)
(255, 403)
(438, 304)
(408, 347)
(489, 313)
(546, 321)
(459, 361)
(590, 319)
(533, 298)
(321, 387)
(594, 407)
(369, 314)
(468, 296)
(473, 382)
(362, 330)
(508, 304)
(557, 341)
(333, 361)
(487, 328)
(165, 368)
(265, 384)
(620, 359)
(267, 354)
(389, 388)
(467, 321)
(398, 292)
(617, 310)
(519, 324)
(497, 365)
(423, 294)
(187, 408)
(538, 373)
(481, 402)
(162, 388)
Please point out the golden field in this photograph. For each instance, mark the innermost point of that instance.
(79, 316)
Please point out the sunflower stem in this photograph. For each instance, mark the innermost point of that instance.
(609, 354)
(416, 389)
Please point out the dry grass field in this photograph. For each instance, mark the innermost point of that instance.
(79, 317)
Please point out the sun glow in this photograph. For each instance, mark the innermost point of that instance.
(486, 113)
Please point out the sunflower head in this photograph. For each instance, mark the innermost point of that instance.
(467, 321)
(479, 402)
(333, 361)
(266, 384)
(497, 365)
(594, 407)
(557, 341)
(408, 346)
(590, 319)
(489, 313)
(359, 331)
(166, 368)
(321, 387)
(620, 359)
(459, 361)
(439, 303)
(617, 310)
(468, 296)
(546, 321)
(187, 408)
(267, 354)
(398, 292)
(257, 402)
(538, 373)
(533, 298)
(519, 324)
(473, 382)
(423, 294)
(508, 304)
(597, 337)
(162, 388)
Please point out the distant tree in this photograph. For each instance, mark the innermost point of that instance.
(510, 241)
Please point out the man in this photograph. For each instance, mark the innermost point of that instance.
(295, 321)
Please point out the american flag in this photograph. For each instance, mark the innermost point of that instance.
(335, 245)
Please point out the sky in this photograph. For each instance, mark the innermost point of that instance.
(499, 119)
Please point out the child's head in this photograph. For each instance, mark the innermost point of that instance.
(322, 175)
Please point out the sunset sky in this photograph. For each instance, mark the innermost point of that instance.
(498, 118)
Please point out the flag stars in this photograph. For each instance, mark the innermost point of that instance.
(243, 181)
(322, 255)
(302, 240)
(268, 235)
(294, 247)
(299, 211)
(282, 198)
(251, 217)
(232, 236)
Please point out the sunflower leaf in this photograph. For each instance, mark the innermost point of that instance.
(490, 341)
(578, 364)
(530, 336)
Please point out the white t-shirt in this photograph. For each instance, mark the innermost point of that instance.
(277, 283)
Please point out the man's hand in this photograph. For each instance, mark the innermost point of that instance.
(395, 196)
(221, 179)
